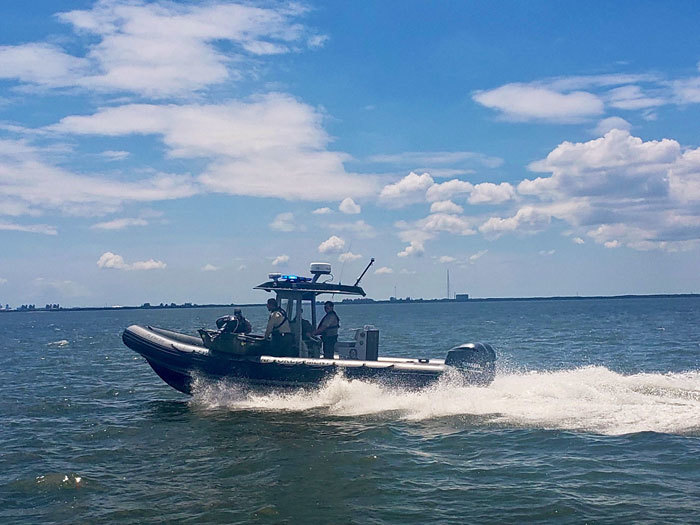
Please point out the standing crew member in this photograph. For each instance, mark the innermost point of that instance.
(328, 330)
(278, 331)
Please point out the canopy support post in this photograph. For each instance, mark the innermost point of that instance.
(298, 330)
(313, 312)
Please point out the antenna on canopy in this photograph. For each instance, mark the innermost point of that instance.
(371, 262)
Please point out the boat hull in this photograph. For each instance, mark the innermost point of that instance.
(180, 359)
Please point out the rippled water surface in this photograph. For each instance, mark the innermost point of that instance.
(594, 417)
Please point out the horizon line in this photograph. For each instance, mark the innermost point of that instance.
(364, 300)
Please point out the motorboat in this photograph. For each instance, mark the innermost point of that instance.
(216, 355)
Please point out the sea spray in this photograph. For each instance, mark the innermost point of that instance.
(590, 399)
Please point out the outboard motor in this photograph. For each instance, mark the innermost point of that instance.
(478, 359)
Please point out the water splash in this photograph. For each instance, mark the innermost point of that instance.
(592, 399)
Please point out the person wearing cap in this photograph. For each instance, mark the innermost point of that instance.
(278, 331)
(328, 330)
(234, 325)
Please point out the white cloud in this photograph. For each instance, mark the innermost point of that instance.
(409, 190)
(632, 97)
(445, 207)
(315, 41)
(29, 228)
(333, 244)
(446, 173)
(547, 252)
(414, 249)
(26, 178)
(349, 256)
(429, 227)
(577, 98)
(611, 123)
(3, 280)
(119, 224)
(478, 255)
(528, 219)
(280, 260)
(235, 129)
(443, 222)
(349, 206)
(284, 222)
(112, 155)
(150, 264)
(619, 234)
(359, 228)
(687, 91)
(242, 267)
(532, 102)
(598, 81)
(578, 240)
(448, 189)
(447, 259)
(684, 178)
(322, 211)
(616, 163)
(210, 268)
(489, 193)
(430, 160)
(270, 146)
(617, 189)
(300, 175)
(651, 188)
(113, 261)
(384, 270)
(42, 64)
(159, 49)
(14, 208)
(405, 271)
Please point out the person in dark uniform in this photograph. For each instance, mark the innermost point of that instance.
(234, 325)
(278, 331)
(328, 330)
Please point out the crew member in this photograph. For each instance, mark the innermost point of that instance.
(328, 330)
(278, 330)
(234, 325)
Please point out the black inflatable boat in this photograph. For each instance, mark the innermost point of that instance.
(180, 359)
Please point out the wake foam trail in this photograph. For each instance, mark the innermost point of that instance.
(592, 399)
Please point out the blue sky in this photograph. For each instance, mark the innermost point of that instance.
(180, 151)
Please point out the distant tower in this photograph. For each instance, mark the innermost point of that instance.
(448, 283)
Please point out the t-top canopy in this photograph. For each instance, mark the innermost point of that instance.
(308, 289)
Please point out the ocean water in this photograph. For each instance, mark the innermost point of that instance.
(594, 417)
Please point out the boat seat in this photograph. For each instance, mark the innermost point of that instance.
(238, 344)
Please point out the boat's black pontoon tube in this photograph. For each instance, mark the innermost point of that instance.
(178, 358)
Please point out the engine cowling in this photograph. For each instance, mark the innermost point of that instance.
(474, 357)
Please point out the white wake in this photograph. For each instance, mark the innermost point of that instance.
(592, 399)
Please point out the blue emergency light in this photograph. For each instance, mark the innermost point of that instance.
(295, 279)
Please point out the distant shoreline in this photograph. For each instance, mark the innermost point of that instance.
(364, 301)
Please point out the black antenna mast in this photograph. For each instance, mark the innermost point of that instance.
(371, 262)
